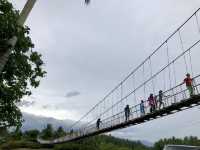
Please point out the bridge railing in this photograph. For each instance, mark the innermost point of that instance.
(172, 96)
(178, 93)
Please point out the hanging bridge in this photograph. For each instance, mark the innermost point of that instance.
(164, 69)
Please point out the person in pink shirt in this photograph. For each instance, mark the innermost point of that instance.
(151, 101)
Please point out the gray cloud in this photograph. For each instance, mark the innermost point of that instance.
(26, 103)
(51, 107)
(72, 94)
(47, 107)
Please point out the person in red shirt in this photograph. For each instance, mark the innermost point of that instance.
(189, 84)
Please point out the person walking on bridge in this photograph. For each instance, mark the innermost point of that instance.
(155, 101)
(152, 103)
(189, 84)
(142, 111)
(98, 123)
(127, 112)
(71, 132)
(160, 99)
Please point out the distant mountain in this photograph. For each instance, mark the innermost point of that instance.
(39, 122)
(147, 143)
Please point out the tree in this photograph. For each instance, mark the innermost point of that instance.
(31, 135)
(16, 135)
(59, 132)
(3, 132)
(48, 132)
(177, 141)
(23, 69)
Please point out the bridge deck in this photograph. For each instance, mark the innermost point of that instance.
(173, 108)
(176, 107)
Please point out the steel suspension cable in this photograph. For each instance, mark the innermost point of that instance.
(197, 21)
(191, 67)
(104, 108)
(174, 71)
(175, 81)
(134, 87)
(152, 79)
(182, 48)
(164, 82)
(144, 81)
(112, 109)
(122, 104)
(168, 62)
(117, 108)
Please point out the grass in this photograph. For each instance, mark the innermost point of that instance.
(21, 144)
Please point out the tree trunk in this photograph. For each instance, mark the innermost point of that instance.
(23, 16)
(4, 53)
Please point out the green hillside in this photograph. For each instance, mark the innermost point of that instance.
(27, 140)
(102, 142)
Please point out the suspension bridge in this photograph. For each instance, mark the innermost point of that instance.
(164, 69)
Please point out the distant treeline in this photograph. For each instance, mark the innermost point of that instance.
(28, 139)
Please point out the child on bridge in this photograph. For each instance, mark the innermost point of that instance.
(189, 84)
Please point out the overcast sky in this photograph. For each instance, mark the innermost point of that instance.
(87, 50)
